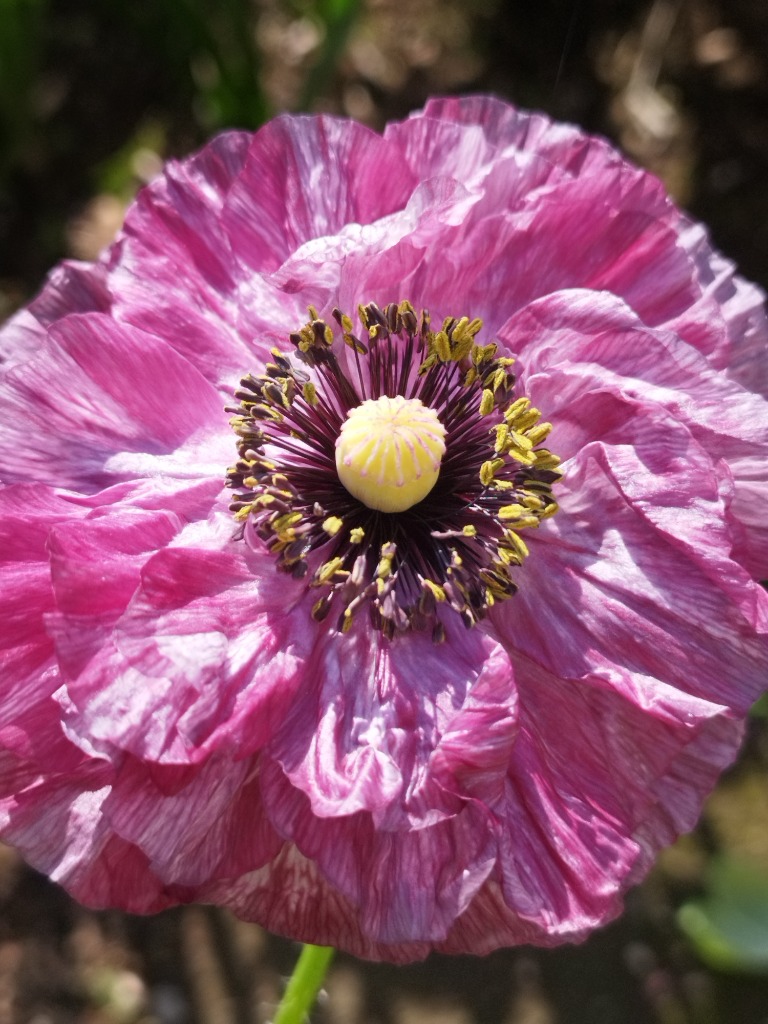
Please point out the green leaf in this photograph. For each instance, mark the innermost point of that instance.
(729, 926)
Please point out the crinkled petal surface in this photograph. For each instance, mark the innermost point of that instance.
(174, 724)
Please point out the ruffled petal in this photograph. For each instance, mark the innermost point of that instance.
(399, 731)
(647, 585)
(291, 897)
(729, 323)
(202, 653)
(407, 884)
(70, 288)
(506, 128)
(124, 391)
(174, 247)
(388, 763)
(59, 825)
(195, 826)
(637, 640)
(569, 340)
(306, 178)
(29, 719)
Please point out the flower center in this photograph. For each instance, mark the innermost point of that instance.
(393, 474)
(388, 452)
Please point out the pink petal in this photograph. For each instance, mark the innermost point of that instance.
(195, 826)
(203, 654)
(577, 339)
(308, 177)
(293, 897)
(125, 391)
(729, 323)
(70, 288)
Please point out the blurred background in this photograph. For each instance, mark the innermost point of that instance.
(94, 95)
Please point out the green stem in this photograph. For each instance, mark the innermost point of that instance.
(304, 984)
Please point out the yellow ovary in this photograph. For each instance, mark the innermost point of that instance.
(388, 452)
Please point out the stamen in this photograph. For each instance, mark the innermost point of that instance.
(394, 475)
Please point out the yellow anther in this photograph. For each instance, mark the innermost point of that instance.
(538, 433)
(461, 349)
(511, 512)
(508, 556)
(527, 419)
(328, 570)
(442, 346)
(268, 412)
(489, 469)
(533, 501)
(332, 525)
(388, 452)
(353, 343)
(384, 568)
(527, 458)
(517, 543)
(356, 535)
(286, 521)
(520, 440)
(522, 517)
(513, 411)
(545, 459)
(469, 530)
(437, 592)
(320, 609)
(309, 391)
(487, 353)
(244, 512)
(502, 433)
(499, 378)
(307, 338)
(460, 329)
(486, 402)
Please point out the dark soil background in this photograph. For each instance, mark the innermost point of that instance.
(93, 95)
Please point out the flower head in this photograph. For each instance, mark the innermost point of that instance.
(304, 616)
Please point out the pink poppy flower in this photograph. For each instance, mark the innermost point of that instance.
(383, 676)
